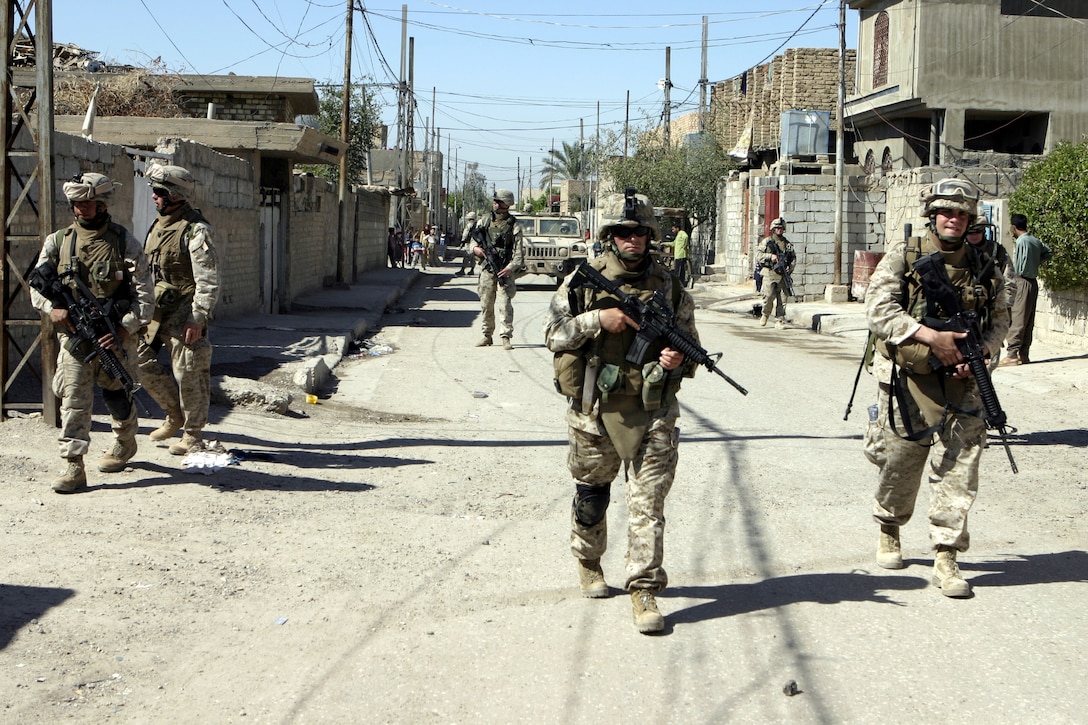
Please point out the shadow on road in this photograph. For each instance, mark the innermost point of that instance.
(728, 600)
(1022, 570)
(21, 605)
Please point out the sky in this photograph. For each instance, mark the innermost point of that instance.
(497, 83)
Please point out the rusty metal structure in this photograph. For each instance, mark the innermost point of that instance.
(28, 346)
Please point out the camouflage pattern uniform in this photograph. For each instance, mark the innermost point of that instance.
(492, 286)
(74, 380)
(185, 269)
(955, 452)
(602, 436)
(772, 280)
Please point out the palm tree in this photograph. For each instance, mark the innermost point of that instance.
(573, 161)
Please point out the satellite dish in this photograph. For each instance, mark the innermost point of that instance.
(661, 84)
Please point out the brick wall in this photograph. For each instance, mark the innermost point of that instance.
(799, 79)
(225, 195)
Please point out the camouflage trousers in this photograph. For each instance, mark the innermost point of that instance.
(189, 390)
(953, 467)
(772, 295)
(502, 288)
(593, 460)
(74, 383)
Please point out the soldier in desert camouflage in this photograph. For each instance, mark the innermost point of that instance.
(186, 276)
(620, 414)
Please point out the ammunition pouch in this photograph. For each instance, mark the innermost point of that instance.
(912, 356)
(167, 298)
(570, 373)
(609, 380)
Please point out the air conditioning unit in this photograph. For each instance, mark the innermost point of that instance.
(805, 133)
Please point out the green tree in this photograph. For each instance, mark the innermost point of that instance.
(364, 129)
(573, 161)
(683, 176)
(1053, 195)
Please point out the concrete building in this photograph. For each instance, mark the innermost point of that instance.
(939, 82)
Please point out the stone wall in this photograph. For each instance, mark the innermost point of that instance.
(370, 233)
(225, 195)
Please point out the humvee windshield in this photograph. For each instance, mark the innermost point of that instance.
(558, 227)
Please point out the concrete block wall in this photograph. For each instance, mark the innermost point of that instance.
(311, 235)
(225, 195)
(231, 107)
(370, 229)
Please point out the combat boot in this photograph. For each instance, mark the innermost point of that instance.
(889, 555)
(73, 478)
(591, 579)
(946, 574)
(485, 341)
(763, 320)
(507, 344)
(170, 426)
(116, 457)
(779, 323)
(189, 442)
(647, 616)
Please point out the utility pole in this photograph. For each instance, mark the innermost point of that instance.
(840, 144)
(702, 83)
(626, 121)
(668, 103)
(403, 125)
(345, 126)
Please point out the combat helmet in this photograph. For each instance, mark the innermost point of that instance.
(505, 196)
(175, 179)
(629, 209)
(951, 194)
(90, 186)
(778, 223)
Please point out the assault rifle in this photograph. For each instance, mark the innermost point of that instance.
(492, 256)
(655, 319)
(783, 268)
(91, 319)
(938, 289)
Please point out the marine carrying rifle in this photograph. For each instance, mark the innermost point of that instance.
(91, 319)
(937, 288)
(492, 256)
(655, 319)
(782, 267)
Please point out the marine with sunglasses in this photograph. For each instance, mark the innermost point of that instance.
(620, 414)
(186, 275)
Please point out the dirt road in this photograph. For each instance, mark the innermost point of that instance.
(397, 553)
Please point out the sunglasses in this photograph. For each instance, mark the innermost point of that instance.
(160, 191)
(625, 232)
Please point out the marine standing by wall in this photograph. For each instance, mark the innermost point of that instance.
(185, 270)
(620, 414)
(775, 251)
(109, 262)
(504, 233)
(927, 414)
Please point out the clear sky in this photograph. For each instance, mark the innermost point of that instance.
(503, 81)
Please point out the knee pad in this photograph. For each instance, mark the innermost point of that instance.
(591, 504)
(118, 403)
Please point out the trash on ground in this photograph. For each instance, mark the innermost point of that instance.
(209, 459)
(478, 394)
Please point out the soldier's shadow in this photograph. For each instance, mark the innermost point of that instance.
(1024, 569)
(727, 600)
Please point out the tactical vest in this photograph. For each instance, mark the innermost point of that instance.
(965, 269)
(612, 348)
(167, 248)
(501, 234)
(97, 257)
